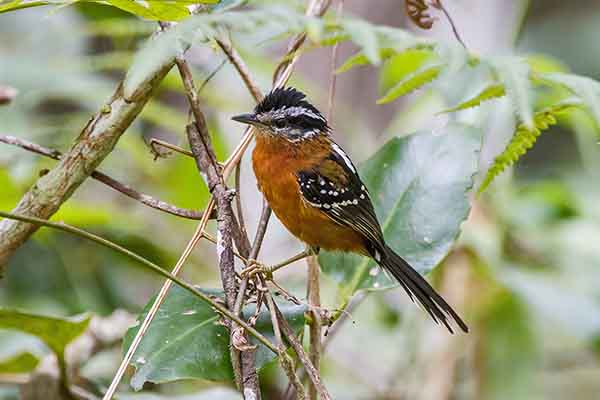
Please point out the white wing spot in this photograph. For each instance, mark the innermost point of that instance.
(326, 205)
(355, 201)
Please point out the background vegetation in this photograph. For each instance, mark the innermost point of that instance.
(523, 271)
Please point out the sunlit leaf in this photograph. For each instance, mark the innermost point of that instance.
(188, 341)
(56, 333)
(492, 91)
(19, 364)
(419, 186)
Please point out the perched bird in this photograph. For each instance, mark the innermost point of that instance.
(314, 189)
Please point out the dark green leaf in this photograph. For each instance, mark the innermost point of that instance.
(19, 364)
(419, 186)
(57, 333)
(187, 341)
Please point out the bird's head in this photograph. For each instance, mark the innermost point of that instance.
(285, 113)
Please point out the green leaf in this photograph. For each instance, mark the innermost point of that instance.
(159, 10)
(524, 139)
(166, 10)
(492, 91)
(360, 59)
(56, 333)
(588, 90)
(408, 71)
(419, 186)
(19, 364)
(187, 341)
(401, 65)
(514, 74)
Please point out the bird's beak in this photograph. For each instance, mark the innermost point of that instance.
(246, 119)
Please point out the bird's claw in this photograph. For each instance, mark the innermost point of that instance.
(256, 268)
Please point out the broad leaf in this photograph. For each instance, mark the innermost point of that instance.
(19, 364)
(56, 333)
(419, 185)
(166, 10)
(187, 341)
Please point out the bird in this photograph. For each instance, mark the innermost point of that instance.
(314, 189)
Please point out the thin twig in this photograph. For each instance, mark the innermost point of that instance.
(149, 264)
(333, 66)
(438, 4)
(285, 360)
(314, 299)
(162, 143)
(111, 182)
(313, 374)
(157, 302)
(238, 201)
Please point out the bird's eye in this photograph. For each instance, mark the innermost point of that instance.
(279, 123)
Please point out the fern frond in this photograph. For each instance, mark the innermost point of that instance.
(360, 59)
(412, 82)
(524, 139)
(588, 90)
(491, 92)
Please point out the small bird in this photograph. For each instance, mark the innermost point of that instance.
(314, 189)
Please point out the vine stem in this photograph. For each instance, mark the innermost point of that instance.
(145, 262)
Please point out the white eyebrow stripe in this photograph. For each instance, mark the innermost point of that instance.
(344, 156)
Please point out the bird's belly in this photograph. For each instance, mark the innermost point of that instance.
(308, 223)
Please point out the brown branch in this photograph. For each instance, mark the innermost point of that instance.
(110, 182)
(287, 364)
(96, 140)
(314, 299)
(311, 371)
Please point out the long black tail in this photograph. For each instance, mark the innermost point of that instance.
(416, 286)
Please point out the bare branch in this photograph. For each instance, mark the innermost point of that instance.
(285, 360)
(111, 182)
(314, 299)
(311, 371)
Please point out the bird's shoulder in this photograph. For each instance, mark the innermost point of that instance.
(334, 186)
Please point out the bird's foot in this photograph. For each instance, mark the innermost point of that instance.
(257, 268)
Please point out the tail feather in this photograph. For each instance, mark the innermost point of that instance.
(416, 286)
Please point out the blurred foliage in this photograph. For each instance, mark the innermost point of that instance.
(530, 295)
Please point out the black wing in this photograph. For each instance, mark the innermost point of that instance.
(335, 188)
